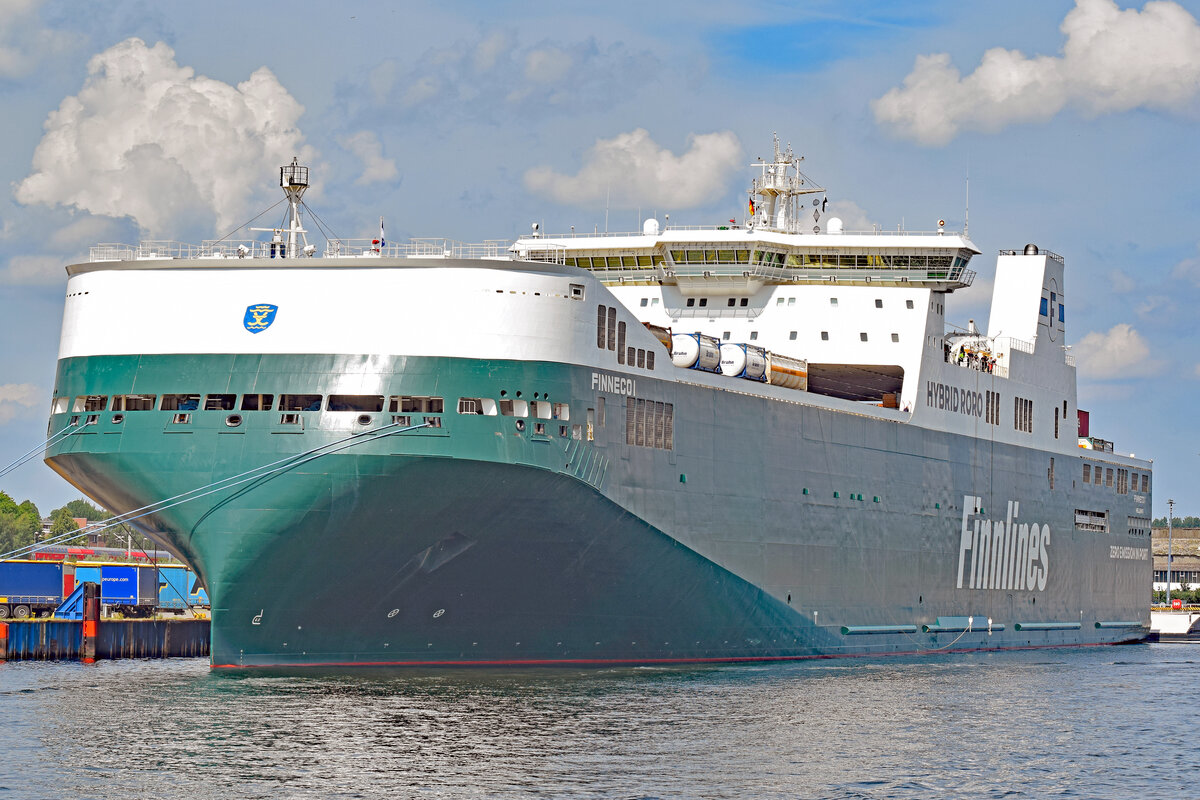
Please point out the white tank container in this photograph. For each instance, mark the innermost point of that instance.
(790, 373)
(696, 351)
(744, 361)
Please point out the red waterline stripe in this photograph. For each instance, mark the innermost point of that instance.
(553, 662)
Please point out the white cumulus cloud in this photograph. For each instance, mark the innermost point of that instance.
(1112, 60)
(34, 270)
(1122, 352)
(18, 399)
(24, 42)
(368, 148)
(148, 138)
(632, 169)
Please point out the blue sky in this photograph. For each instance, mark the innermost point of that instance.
(1074, 120)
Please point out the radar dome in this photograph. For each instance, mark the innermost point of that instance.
(834, 225)
(650, 227)
(1031, 249)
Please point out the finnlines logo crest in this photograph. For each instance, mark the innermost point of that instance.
(1002, 554)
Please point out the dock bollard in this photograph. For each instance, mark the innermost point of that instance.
(3, 641)
(91, 617)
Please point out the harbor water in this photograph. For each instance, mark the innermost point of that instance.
(1099, 722)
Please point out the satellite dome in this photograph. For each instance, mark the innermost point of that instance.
(834, 225)
(650, 227)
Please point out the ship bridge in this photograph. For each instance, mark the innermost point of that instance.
(743, 261)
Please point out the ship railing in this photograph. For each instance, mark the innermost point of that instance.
(1012, 343)
(112, 251)
(716, 312)
(794, 227)
(548, 253)
(155, 249)
(1048, 253)
(416, 248)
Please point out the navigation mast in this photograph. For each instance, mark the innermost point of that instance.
(779, 190)
(293, 179)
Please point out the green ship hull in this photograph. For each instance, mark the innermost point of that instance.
(341, 538)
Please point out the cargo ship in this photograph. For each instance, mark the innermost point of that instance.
(757, 440)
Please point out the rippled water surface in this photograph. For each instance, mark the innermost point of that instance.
(1094, 722)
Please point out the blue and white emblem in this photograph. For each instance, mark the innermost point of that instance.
(259, 317)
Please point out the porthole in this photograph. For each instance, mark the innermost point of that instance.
(520, 425)
(364, 419)
(233, 420)
(117, 419)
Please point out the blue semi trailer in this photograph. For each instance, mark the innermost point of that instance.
(127, 589)
(32, 588)
(179, 588)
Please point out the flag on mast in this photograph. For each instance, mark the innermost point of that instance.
(382, 241)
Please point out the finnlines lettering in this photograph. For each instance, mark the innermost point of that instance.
(1003, 554)
(604, 382)
(951, 398)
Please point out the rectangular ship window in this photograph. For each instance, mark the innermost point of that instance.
(1108, 478)
(601, 315)
(299, 402)
(621, 343)
(180, 402)
(134, 402)
(649, 359)
(403, 420)
(90, 402)
(1087, 473)
(641, 357)
(1145, 483)
(257, 402)
(541, 409)
(60, 405)
(415, 404)
(514, 408)
(355, 402)
(612, 328)
(477, 405)
(219, 402)
(561, 411)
